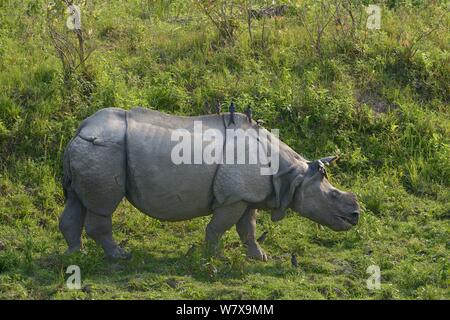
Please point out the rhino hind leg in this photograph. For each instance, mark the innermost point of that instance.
(71, 222)
(222, 220)
(246, 228)
(99, 228)
(98, 178)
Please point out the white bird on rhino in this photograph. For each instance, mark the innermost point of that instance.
(118, 153)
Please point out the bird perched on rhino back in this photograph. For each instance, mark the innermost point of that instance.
(249, 114)
(218, 107)
(232, 110)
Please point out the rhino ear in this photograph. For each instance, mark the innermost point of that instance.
(284, 192)
(284, 185)
(329, 160)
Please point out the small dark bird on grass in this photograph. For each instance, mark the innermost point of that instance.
(218, 108)
(249, 114)
(294, 260)
(210, 269)
(260, 122)
(232, 110)
(173, 283)
(87, 289)
(262, 237)
(191, 250)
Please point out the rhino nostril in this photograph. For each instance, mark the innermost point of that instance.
(355, 216)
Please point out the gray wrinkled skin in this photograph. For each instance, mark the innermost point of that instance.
(117, 153)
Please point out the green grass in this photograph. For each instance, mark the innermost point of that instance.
(385, 112)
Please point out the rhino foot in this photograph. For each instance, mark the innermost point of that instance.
(72, 250)
(118, 253)
(256, 253)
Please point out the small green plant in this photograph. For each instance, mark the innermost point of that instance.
(225, 15)
(73, 54)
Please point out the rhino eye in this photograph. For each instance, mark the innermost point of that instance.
(323, 171)
(334, 194)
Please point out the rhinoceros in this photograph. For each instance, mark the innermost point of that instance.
(120, 153)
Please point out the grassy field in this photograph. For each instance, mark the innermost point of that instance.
(379, 98)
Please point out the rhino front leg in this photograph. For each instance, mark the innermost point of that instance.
(99, 228)
(246, 228)
(222, 220)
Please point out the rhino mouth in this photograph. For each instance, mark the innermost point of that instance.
(352, 219)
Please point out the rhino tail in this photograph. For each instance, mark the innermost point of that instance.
(67, 173)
